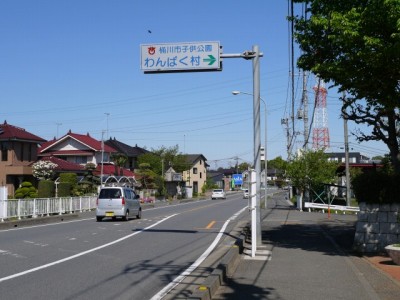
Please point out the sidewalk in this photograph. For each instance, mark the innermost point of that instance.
(308, 256)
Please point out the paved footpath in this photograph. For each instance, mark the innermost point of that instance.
(308, 256)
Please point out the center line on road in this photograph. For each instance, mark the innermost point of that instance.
(84, 252)
(211, 224)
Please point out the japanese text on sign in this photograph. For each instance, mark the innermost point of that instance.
(180, 57)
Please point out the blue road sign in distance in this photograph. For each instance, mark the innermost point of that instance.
(237, 179)
(180, 57)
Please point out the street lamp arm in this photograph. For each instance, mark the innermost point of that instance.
(265, 142)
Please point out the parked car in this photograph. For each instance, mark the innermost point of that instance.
(245, 194)
(218, 194)
(117, 202)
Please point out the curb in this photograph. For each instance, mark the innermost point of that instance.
(37, 221)
(220, 275)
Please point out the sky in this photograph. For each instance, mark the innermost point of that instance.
(75, 65)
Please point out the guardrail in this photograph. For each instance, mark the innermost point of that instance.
(324, 207)
(25, 208)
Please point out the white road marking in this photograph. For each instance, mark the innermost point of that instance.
(161, 294)
(6, 252)
(82, 253)
(36, 244)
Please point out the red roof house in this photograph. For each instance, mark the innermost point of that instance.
(78, 149)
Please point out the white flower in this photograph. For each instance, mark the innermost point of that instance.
(43, 169)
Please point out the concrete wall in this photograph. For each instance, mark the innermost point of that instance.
(378, 225)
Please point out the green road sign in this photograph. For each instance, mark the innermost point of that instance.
(180, 57)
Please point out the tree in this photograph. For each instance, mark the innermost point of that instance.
(310, 170)
(167, 156)
(119, 162)
(244, 166)
(278, 163)
(90, 181)
(147, 177)
(356, 46)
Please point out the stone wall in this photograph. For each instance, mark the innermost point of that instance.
(378, 225)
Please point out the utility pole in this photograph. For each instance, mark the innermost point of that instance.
(102, 158)
(285, 122)
(305, 112)
(346, 154)
(58, 125)
(237, 164)
(107, 114)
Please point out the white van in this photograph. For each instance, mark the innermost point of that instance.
(117, 202)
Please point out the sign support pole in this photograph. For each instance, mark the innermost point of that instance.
(256, 224)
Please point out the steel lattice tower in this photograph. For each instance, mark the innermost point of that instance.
(320, 125)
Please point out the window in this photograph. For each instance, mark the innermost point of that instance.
(22, 152)
(200, 174)
(106, 157)
(4, 152)
(81, 159)
(30, 146)
(194, 170)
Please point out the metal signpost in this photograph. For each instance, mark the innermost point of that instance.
(206, 56)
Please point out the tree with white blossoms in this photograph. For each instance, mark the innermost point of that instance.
(43, 169)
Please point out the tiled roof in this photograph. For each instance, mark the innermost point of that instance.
(109, 169)
(63, 165)
(10, 132)
(86, 140)
(67, 153)
(193, 158)
(125, 149)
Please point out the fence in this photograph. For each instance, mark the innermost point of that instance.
(328, 207)
(25, 208)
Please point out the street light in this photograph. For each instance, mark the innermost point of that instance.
(265, 143)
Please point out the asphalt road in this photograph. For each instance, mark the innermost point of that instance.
(85, 259)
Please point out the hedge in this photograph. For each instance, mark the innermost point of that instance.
(377, 187)
(46, 189)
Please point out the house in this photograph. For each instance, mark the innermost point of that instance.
(195, 175)
(78, 149)
(219, 179)
(354, 157)
(173, 183)
(19, 150)
(132, 153)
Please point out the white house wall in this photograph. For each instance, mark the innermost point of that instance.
(70, 144)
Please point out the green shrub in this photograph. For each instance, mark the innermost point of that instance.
(376, 187)
(71, 178)
(64, 189)
(27, 190)
(46, 189)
